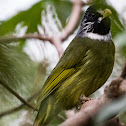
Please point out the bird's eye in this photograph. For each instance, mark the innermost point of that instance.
(91, 15)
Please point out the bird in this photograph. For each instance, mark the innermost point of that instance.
(84, 67)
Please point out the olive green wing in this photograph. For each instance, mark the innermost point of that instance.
(66, 67)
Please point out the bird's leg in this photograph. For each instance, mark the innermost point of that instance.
(82, 99)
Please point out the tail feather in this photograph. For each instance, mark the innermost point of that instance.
(48, 109)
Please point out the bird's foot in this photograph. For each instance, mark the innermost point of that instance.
(81, 101)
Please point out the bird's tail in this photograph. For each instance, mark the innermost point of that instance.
(48, 109)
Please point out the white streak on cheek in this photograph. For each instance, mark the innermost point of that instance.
(100, 19)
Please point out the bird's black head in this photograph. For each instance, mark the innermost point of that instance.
(96, 20)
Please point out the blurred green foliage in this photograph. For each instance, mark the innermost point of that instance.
(21, 73)
(120, 41)
(32, 17)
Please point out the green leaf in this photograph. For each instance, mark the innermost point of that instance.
(120, 41)
(32, 17)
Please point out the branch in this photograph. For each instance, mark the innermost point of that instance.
(114, 122)
(55, 39)
(18, 107)
(91, 108)
(16, 95)
(74, 18)
(27, 36)
(123, 74)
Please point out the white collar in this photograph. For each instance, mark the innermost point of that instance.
(96, 36)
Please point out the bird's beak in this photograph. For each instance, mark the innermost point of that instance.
(105, 13)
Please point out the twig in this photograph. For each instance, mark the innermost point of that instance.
(2, 114)
(17, 95)
(18, 107)
(27, 36)
(123, 74)
(74, 18)
(114, 122)
(61, 117)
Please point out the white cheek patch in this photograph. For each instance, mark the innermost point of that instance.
(96, 36)
(100, 19)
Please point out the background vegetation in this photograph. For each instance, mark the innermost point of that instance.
(25, 72)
